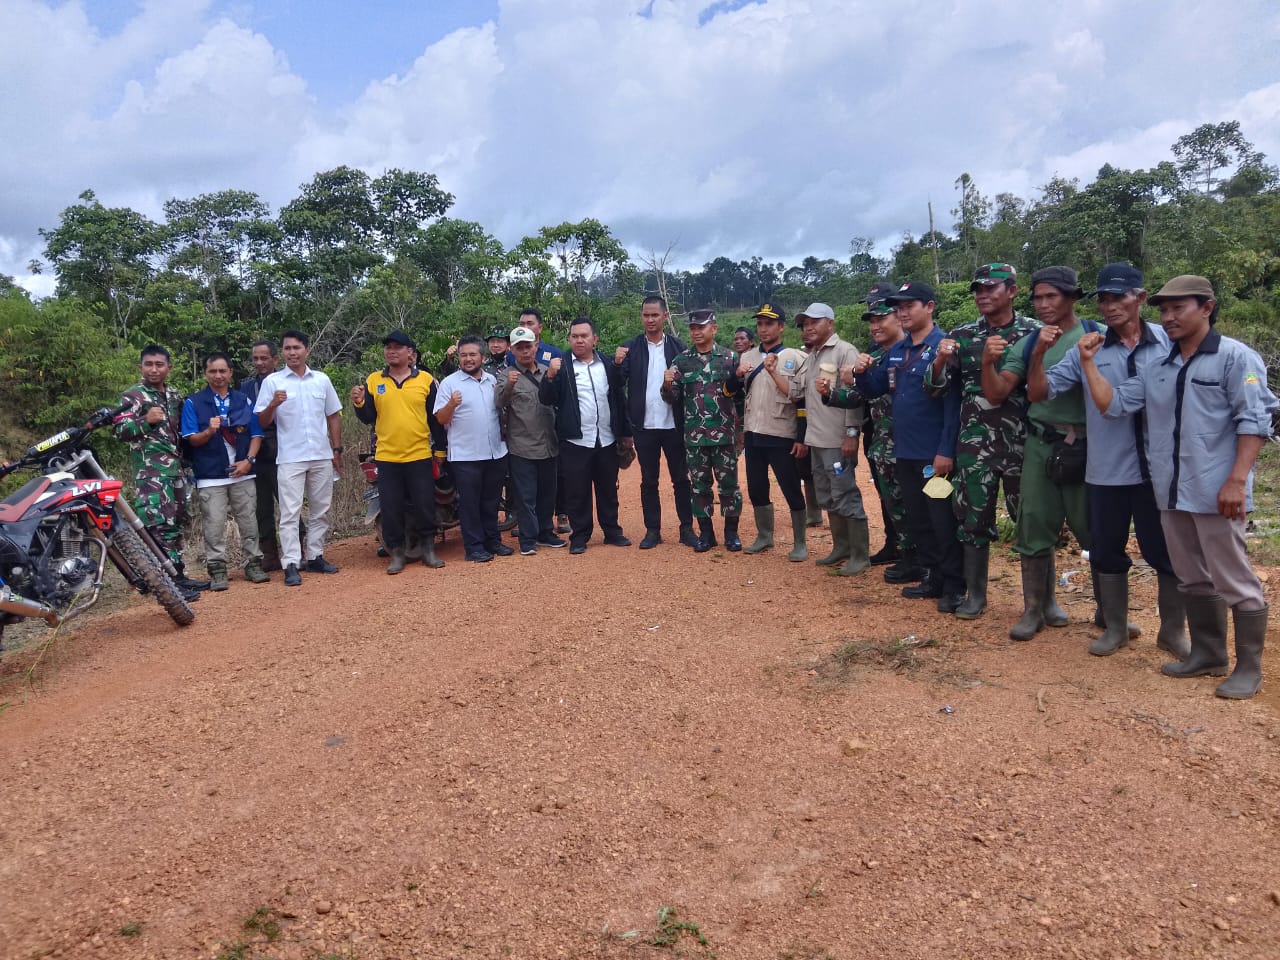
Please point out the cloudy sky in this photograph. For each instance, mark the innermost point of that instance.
(737, 127)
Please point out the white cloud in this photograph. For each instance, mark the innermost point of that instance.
(780, 128)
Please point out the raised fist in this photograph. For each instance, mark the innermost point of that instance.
(771, 362)
(357, 395)
(554, 367)
(215, 424)
(154, 415)
(669, 377)
(620, 354)
(513, 376)
(993, 349)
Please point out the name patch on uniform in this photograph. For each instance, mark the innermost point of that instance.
(382, 388)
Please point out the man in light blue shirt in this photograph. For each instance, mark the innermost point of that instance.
(1208, 413)
(1117, 474)
(466, 409)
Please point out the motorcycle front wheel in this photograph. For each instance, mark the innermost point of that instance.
(144, 563)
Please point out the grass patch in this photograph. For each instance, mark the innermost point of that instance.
(263, 921)
(1264, 537)
(131, 930)
(672, 930)
(901, 655)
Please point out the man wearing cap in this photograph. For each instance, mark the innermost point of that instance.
(702, 382)
(924, 439)
(543, 354)
(532, 444)
(591, 420)
(398, 401)
(1055, 441)
(465, 407)
(774, 430)
(989, 449)
(1208, 412)
(658, 426)
(831, 439)
(1117, 473)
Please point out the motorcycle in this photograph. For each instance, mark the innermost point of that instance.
(446, 505)
(58, 531)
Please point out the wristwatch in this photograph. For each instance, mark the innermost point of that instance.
(252, 460)
(337, 449)
(851, 432)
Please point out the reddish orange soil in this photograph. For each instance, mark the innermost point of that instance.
(531, 758)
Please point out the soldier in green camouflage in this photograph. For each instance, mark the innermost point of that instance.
(703, 381)
(989, 451)
(152, 429)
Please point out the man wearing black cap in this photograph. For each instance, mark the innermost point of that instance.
(924, 438)
(1117, 473)
(1209, 411)
(658, 427)
(772, 430)
(1055, 442)
(702, 382)
(398, 401)
(989, 450)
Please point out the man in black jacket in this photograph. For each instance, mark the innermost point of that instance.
(658, 427)
(591, 420)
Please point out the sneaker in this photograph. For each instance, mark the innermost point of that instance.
(578, 548)
(500, 549)
(618, 541)
(528, 551)
(562, 523)
(321, 565)
(552, 541)
(480, 556)
(292, 578)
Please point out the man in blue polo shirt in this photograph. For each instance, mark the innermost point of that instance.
(925, 429)
(1117, 474)
(1208, 412)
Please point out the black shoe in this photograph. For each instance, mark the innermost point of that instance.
(732, 542)
(551, 541)
(194, 586)
(321, 565)
(292, 578)
(926, 589)
(904, 571)
(191, 596)
(618, 541)
(578, 548)
(562, 523)
(950, 602)
(886, 554)
(480, 556)
(651, 539)
(528, 550)
(688, 537)
(501, 550)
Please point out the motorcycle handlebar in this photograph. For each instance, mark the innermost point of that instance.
(41, 451)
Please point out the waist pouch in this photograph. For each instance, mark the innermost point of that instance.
(1066, 462)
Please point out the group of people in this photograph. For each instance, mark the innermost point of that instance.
(1101, 427)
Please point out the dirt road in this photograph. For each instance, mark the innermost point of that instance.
(534, 757)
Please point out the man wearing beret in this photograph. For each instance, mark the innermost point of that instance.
(1209, 411)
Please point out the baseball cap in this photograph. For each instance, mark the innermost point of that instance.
(497, 333)
(1187, 285)
(815, 311)
(991, 274)
(400, 337)
(1119, 278)
(879, 292)
(522, 335)
(880, 309)
(912, 290)
(770, 312)
(701, 317)
(1064, 278)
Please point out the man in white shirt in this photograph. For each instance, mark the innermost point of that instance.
(658, 427)
(466, 408)
(305, 408)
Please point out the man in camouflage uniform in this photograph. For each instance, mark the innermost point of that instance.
(153, 430)
(703, 381)
(989, 452)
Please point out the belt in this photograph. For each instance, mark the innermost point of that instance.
(1053, 432)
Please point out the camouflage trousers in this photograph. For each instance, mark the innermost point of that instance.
(717, 463)
(161, 503)
(977, 481)
(886, 477)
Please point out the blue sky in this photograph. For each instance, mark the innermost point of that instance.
(741, 127)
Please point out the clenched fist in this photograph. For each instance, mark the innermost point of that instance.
(215, 424)
(620, 354)
(357, 395)
(669, 377)
(554, 367)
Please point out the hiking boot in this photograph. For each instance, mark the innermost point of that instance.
(254, 573)
(217, 575)
(321, 565)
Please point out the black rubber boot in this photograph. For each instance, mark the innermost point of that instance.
(1251, 634)
(1207, 628)
(977, 561)
(706, 536)
(429, 558)
(1112, 593)
(1053, 615)
(731, 541)
(764, 529)
(1034, 573)
(397, 561)
(1173, 617)
(1099, 615)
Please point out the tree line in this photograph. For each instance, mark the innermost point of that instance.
(353, 255)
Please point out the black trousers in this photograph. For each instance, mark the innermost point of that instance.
(1110, 511)
(479, 484)
(535, 496)
(651, 445)
(264, 482)
(406, 495)
(765, 453)
(931, 527)
(582, 471)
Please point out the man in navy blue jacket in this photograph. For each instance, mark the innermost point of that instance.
(224, 438)
(925, 429)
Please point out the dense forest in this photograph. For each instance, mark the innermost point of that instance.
(354, 255)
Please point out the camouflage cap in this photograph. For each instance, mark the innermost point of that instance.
(879, 309)
(991, 274)
(497, 332)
